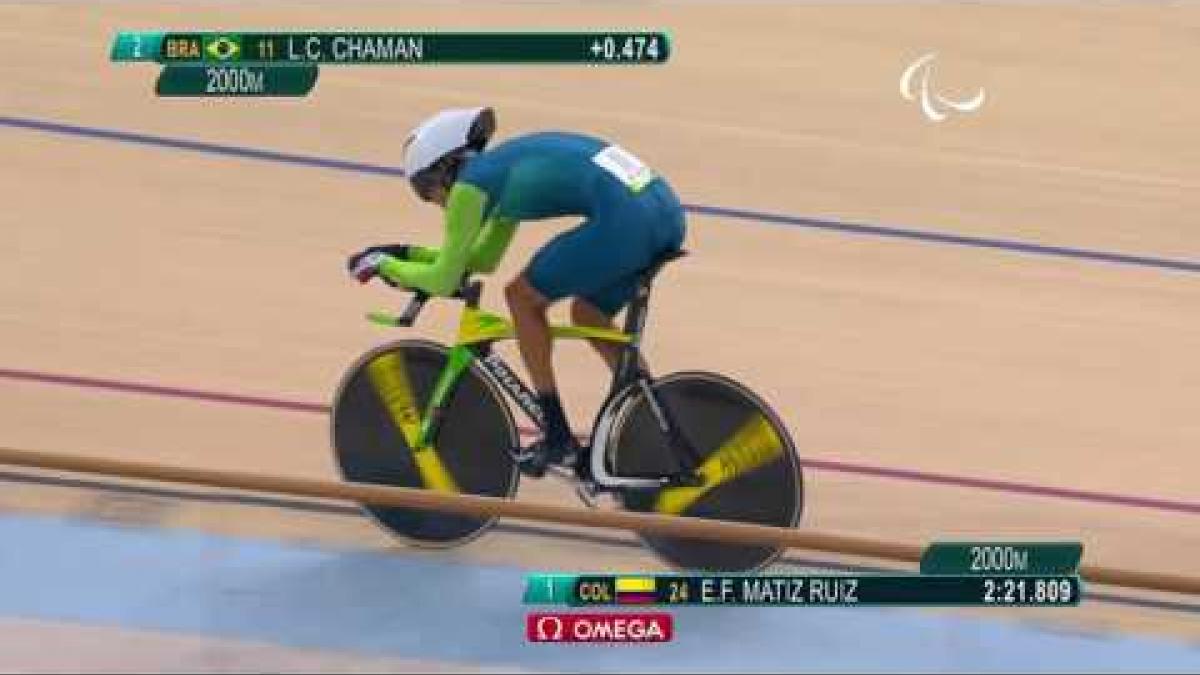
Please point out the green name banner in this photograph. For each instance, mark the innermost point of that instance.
(807, 591)
(236, 81)
(593, 47)
(990, 558)
(549, 589)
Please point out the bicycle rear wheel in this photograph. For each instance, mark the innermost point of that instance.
(471, 452)
(751, 473)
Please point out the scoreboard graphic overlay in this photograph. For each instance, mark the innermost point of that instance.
(1042, 574)
(951, 574)
(285, 64)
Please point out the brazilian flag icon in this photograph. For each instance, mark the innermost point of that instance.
(224, 47)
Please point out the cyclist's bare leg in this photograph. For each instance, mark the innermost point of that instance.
(584, 313)
(528, 309)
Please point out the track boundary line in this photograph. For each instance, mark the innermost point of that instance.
(860, 229)
(837, 466)
(199, 146)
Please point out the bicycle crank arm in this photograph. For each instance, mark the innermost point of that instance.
(661, 480)
(685, 479)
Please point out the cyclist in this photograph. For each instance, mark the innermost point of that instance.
(630, 215)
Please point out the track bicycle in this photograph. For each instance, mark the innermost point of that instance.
(416, 413)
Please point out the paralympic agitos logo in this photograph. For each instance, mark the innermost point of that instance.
(935, 106)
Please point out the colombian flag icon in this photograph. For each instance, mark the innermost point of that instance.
(636, 591)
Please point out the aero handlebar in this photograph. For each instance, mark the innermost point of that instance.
(470, 292)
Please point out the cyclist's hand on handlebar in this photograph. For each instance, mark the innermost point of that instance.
(364, 265)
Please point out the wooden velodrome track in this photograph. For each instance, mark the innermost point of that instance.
(142, 263)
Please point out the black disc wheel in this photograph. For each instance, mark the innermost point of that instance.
(378, 407)
(747, 460)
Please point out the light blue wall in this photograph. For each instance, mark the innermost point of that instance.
(431, 607)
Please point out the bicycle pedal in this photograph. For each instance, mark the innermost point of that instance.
(587, 493)
(537, 465)
(532, 468)
(563, 472)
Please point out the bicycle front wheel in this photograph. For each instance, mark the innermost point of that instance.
(389, 388)
(747, 460)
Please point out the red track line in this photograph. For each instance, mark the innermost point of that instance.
(159, 390)
(1015, 487)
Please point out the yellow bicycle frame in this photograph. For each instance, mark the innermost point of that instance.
(389, 376)
(478, 326)
(754, 444)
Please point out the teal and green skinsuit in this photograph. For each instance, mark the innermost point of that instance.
(631, 216)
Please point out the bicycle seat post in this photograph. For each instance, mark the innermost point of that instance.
(635, 322)
(635, 318)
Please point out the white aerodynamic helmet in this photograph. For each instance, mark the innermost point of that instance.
(434, 150)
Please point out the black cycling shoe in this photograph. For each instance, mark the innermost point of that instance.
(535, 458)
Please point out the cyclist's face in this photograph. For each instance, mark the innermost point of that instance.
(437, 195)
(430, 185)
